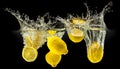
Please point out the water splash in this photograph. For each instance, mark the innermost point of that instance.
(74, 27)
(95, 22)
(91, 28)
(95, 34)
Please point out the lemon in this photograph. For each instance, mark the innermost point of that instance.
(57, 45)
(52, 58)
(51, 32)
(38, 40)
(78, 21)
(35, 40)
(28, 41)
(95, 52)
(29, 54)
(76, 35)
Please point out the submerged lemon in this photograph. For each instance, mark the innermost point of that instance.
(29, 54)
(28, 41)
(76, 35)
(95, 52)
(57, 45)
(52, 58)
(38, 40)
(35, 40)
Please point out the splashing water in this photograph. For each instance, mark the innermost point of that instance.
(90, 28)
(32, 31)
(35, 33)
(37, 28)
(74, 27)
(93, 30)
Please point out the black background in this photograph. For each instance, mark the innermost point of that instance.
(12, 44)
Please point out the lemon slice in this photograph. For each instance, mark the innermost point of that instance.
(57, 45)
(29, 54)
(28, 41)
(52, 58)
(78, 21)
(76, 35)
(95, 52)
(51, 32)
(38, 40)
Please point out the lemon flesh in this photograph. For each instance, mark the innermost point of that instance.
(95, 53)
(29, 54)
(76, 35)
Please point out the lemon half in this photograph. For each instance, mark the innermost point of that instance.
(29, 54)
(76, 35)
(95, 52)
(52, 58)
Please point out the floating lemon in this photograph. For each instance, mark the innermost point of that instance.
(76, 35)
(78, 21)
(53, 59)
(29, 54)
(95, 52)
(51, 32)
(36, 39)
(28, 41)
(57, 45)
